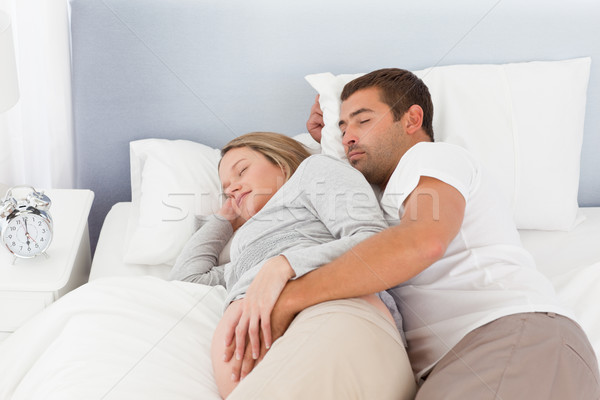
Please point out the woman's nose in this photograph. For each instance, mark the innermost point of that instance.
(232, 188)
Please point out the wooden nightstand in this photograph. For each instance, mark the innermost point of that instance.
(30, 285)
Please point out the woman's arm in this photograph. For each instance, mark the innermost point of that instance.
(341, 198)
(198, 260)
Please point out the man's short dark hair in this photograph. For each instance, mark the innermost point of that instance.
(399, 89)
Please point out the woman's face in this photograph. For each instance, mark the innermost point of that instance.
(249, 179)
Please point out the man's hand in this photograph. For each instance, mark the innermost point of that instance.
(315, 122)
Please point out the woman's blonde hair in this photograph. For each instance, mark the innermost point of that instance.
(281, 150)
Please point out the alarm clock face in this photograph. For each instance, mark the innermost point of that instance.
(27, 235)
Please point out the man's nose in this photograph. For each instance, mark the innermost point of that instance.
(349, 138)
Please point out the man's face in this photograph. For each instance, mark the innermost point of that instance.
(373, 141)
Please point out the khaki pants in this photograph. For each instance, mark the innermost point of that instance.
(529, 356)
(342, 349)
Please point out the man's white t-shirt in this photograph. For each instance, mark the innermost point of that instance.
(485, 273)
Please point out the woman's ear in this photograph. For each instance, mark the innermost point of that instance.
(414, 119)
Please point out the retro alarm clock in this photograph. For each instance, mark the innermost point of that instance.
(25, 222)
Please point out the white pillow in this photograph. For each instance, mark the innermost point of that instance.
(330, 87)
(311, 145)
(524, 121)
(171, 182)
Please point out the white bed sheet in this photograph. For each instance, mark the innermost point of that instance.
(557, 252)
(571, 260)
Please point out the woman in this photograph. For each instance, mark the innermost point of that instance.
(294, 213)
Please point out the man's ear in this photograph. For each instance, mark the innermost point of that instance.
(413, 119)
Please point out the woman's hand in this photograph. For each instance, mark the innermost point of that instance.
(231, 214)
(281, 318)
(260, 299)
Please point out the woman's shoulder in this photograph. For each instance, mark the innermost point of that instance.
(319, 161)
(325, 168)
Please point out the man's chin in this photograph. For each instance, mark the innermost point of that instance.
(356, 163)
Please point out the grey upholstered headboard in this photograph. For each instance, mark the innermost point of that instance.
(209, 70)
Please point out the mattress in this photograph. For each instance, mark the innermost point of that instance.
(557, 253)
(108, 258)
(571, 260)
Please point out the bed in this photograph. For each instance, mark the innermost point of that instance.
(160, 85)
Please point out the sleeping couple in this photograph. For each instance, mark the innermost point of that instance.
(320, 267)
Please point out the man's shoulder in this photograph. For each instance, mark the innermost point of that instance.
(447, 162)
(436, 148)
(423, 154)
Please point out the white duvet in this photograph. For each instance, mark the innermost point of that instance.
(117, 338)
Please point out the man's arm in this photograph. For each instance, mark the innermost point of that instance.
(432, 218)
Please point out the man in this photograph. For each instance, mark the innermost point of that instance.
(481, 322)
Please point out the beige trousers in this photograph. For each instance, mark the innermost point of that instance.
(342, 349)
(529, 356)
